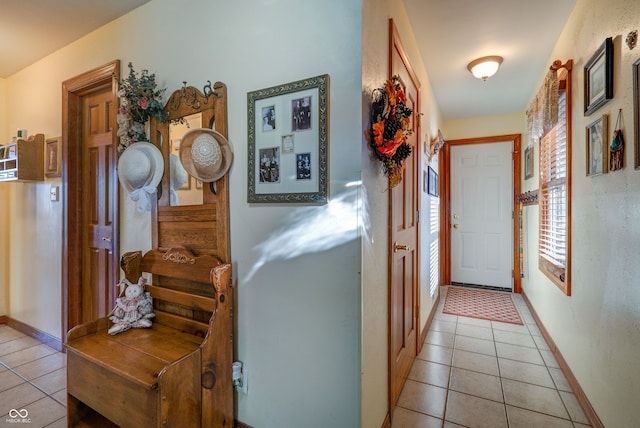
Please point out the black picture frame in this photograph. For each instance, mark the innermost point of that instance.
(433, 182)
(598, 78)
(636, 112)
(528, 162)
(299, 108)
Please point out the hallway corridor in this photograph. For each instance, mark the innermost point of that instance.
(479, 373)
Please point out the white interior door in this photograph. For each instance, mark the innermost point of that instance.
(481, 214)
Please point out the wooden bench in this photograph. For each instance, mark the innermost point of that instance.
(176, 373)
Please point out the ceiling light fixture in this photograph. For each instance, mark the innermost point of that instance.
(485, 67)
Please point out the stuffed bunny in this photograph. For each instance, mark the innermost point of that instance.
(134, 309)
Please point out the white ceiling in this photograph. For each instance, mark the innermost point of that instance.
(33, 29)
(452, 33)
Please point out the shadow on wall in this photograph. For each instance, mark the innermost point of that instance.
(317, 228)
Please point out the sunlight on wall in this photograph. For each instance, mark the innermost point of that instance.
(434, 251)
(315, 229)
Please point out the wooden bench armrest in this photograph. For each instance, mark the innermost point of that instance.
(92, 327)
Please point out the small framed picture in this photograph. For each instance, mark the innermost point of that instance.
(597, 147)
(528, 162)
(433, 182)
(598, 78)
(53, 154)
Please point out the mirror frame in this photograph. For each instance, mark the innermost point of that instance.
(194, 226)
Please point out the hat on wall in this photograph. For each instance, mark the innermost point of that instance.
(140, 170)
(205, 154)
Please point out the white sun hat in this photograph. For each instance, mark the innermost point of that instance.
(140, 170)
(205, 154)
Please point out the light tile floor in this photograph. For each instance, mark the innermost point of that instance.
(33, 377)
(479, 373)
(470, 373)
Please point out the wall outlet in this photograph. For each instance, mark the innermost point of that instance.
(244, 386)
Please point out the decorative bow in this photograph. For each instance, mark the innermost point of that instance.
(142, 198)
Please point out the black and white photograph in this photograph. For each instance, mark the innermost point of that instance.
(269, 118)
(301, 117)
(270, 165)
(303, 166)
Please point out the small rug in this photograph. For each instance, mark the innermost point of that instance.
(494, 306)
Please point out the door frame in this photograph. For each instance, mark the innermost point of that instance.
(445, 209)
(73, 90)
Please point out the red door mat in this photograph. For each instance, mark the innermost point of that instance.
(494, 306)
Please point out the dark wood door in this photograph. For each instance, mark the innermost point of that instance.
(98, 203)
(403, 240)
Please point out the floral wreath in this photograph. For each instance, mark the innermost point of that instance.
(139, 101)
(390, 127)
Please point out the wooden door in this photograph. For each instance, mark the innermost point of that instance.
(98, 196)
(403, 239)
(481, 210)
(89, 195)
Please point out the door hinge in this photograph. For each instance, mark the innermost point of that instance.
(417, 216)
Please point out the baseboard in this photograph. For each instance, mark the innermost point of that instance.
(425, 331)
(39, 335)
(4, 319)
(588, 409)
(242, 425)
(387, 421)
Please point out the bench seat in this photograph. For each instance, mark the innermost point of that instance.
(176, 373)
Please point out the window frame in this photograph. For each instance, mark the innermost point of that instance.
(559, 275)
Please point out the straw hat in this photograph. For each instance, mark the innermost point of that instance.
(140, 165)
(205, 154)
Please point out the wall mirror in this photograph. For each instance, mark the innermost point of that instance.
(183, 189)
(190, 213)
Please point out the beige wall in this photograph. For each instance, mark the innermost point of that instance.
(597, 329)
(299, 308)
(4, 205)
(375, 242)
(484, 126)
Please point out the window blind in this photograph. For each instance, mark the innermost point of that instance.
(553, 199)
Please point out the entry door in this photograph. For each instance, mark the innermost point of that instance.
(481, 214)
(403, 293)
(98, 205)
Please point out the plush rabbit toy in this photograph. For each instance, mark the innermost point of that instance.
(134, 309)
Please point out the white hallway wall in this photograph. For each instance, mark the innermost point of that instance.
(298, 318)
(597, 329)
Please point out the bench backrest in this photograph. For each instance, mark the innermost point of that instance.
(182, 286)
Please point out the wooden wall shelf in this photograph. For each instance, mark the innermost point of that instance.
(23, 160)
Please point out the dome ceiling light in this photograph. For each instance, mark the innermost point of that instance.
(485, 67)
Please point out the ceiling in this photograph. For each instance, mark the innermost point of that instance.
(450, 34)
(33, 29)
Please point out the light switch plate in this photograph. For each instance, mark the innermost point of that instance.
(54, 193)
